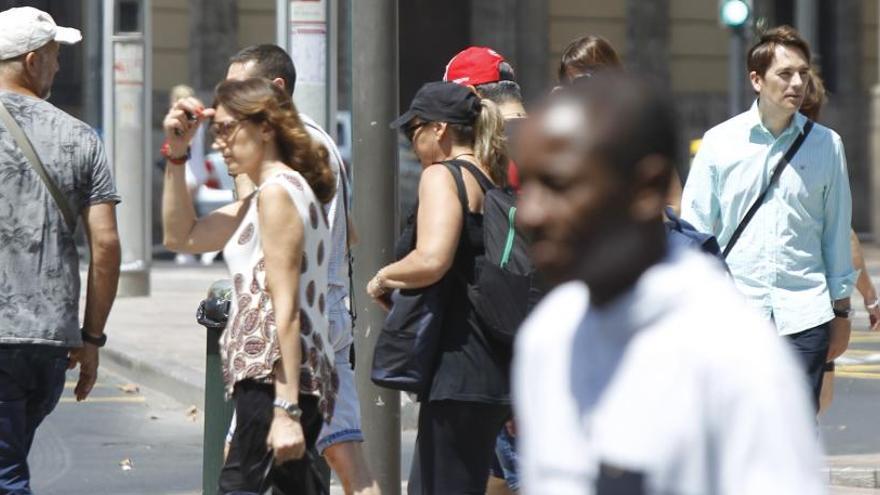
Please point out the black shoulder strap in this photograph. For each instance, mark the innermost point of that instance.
(485, 183)
(459, 183)
(792, 151)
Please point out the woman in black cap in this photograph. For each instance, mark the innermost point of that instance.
(468, 400)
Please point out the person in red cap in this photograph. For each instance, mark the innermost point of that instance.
(493, 78)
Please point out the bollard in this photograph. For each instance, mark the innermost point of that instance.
(212, 314)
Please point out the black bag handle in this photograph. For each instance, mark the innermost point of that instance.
(783, 162)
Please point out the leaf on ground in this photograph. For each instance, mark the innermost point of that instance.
(192, 413)
(126, 464)
(129, 388)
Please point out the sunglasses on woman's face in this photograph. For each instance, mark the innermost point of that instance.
(224, 131)
(410, 130)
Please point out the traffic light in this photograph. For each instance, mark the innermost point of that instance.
(734, 13)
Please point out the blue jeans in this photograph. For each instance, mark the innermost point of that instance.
(506, 465)
(811, 348)
(31, 382)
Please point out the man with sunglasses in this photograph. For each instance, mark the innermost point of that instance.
(339, 442)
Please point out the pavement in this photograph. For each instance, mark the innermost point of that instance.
(157, 341)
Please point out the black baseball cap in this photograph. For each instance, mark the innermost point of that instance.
(442, 102)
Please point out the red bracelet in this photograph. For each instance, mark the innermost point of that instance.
(165, 151)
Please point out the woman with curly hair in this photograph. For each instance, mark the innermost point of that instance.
(277, 361)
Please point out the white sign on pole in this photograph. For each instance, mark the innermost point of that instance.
(308, 49)
(128, 76)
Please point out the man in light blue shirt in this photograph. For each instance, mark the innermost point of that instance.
(793, 261)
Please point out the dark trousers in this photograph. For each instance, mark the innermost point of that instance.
(455, 447)
(811, 348)
(249, 467)
(31, 382)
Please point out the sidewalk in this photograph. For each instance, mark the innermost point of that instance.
(156, 341)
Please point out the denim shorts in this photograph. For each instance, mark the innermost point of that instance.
(345, 426)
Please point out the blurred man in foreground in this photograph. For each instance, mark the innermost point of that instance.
(644, 371)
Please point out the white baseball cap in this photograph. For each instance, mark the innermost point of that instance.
(25, 29)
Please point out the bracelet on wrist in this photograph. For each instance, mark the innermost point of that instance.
(165, 151)
(874, 304)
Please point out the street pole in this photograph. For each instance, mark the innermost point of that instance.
(127, 128)
(736, 68)
(875, 153)
(374, 106)
(805, 16)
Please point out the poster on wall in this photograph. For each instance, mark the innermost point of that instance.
(308, 48)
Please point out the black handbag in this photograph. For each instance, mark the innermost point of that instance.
(407, 348)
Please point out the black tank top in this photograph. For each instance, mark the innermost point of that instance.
(471, 366)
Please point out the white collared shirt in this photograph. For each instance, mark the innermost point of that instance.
(794, 257)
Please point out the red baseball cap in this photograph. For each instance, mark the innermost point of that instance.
(474, 65)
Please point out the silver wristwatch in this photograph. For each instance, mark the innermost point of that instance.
(290, 408)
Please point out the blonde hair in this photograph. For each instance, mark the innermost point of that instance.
(486, 135)
(180, 92)
(260, 101)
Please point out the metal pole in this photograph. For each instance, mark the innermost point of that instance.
(127, 130)
(282, 24)
(218, 411)
(374, 105)
(805, 16)
(91, 58)
(736, 69)
(107, 7)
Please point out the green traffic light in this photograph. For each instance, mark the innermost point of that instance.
(734, 13)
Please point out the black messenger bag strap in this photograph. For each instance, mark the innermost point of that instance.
(28, 150)
(792, 151)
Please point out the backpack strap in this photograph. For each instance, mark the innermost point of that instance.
(479, 175)
(454, 169)
(511, 236)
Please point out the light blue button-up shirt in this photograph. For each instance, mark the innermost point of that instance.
(794, 257)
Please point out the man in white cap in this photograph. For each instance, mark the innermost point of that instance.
(53, 170)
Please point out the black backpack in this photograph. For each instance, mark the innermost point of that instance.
(506, 286)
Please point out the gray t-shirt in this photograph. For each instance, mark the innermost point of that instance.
(39, 265)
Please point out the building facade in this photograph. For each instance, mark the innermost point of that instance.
(679, 42)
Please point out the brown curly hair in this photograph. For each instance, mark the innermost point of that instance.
(258, 100)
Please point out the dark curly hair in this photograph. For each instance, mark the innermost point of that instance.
(258, 100)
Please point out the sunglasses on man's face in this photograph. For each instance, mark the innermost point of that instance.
(410, 130)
